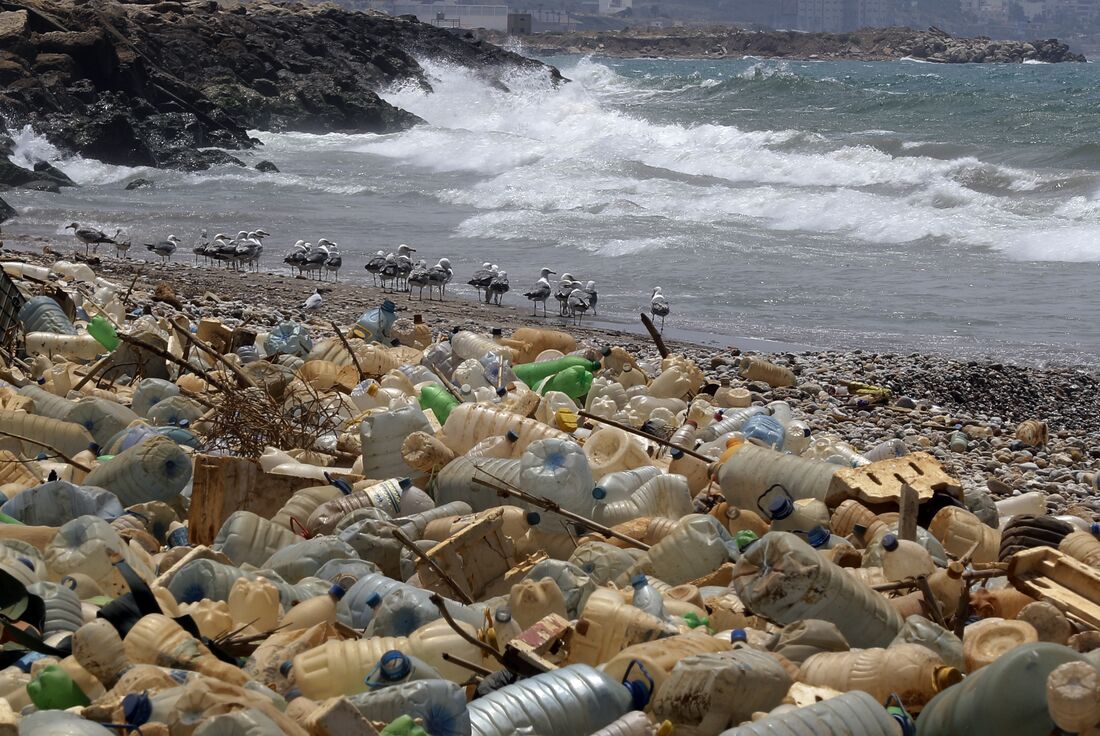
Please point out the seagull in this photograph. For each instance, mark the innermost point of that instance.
(375, 264)
(540, 292)
(498, 287)
(591, 295)
(418, 277)
(404, 266)
(90, 236)
(314, 302)
(294, 256)
(315, 259)
(440, 275)
(389, 272)
(122, 248)
(566, 284)
(577, 304)
(658, 306)
(334, 262)
(481, 279)
(164, 248)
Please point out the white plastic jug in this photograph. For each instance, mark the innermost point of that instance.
(382, 435)
(610, 450)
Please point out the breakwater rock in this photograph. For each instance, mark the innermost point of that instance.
(867, 44)
(161, 84)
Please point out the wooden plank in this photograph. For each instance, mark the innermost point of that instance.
(882, 482)
(907, 513)
(222, 485)
(1049, 575)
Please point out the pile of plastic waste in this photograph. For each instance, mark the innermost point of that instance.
(209, 529)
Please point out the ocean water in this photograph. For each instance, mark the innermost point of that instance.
(897, 206)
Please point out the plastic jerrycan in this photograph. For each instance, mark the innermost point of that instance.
(667, 496)
(532, 600)
(985, 641)
(915, 673)
(157, 639)
(340, 666)
(635, 723)
(707, 693)
(661, 655)
(788, 515)
(693, 549)
(607, 623)
(695, 470)
(255, 603)
(850, 513)
(611, 450)
(958, 530)
(246, 537)
(903, 559)
(382, 435)
(784, 578)
(750, 470)
(622, 484)
(375, 324)
(851, 714)
(576, 699)
(469, 423)
(1006, 697)
(296, 511)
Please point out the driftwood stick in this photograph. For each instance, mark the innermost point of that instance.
(241, 377)
(161, 353)
(421, 555)
(651, 438)
(347, 346)
(657, 339)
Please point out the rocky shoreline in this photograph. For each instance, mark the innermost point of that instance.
(930, 396)
(866, 44)
(169, 83)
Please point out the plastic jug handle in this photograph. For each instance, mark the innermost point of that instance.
(645, 673)
(301, 529)
(760, 498)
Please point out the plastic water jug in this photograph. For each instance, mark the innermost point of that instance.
(383, 434)
(634, 723)
(302, 559)
(255, 603)
(785, 579)
(758, 369)
(919, 630)
(611, 450)
(439, 705)
(1006, 697)
(468, 424)
(844, 715)
(608, 624)
(63, 610)
(985, 641)
(1081, 546)
(43, 314)
(788, 515)
(622, 484)
(155, 470)
(375, 325)
(247, 538)
(959, 530)
(89, 545)
(1073, 697)
(557, 470)
(729, 421)
(400, 613)
(56, 502)
(157, 639)
(603, 563)
(902, 559)
(468, 345)
(916, 674)
(750, 471)
(577, 699)
(711, 692)
(60, 723)
(433, 396)
(764, 430)
(695, 548)
(660, 656)
(317, 610)
(296, 511)
(666, 496)
(396, 668)
(646, 598)
(386, 496)
(531, 600)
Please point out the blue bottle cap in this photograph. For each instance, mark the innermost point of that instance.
(780, 508)
(511, 436)
(405, 483)
(818, 536)
(183, 423)
(42, 381)
(374, 600)
(178, 538)
(395, 665)
(638, 580)
(137, 708)
(1094, 528)
(502, 615)
(285, 667)
(388, 306)
(504, 392)
(677, 453)
(533, 518)
(599, 493)
(738, 635)
(890, 542)
(337, 591)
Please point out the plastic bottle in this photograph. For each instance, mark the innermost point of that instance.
(622, 484)
(695, 470)
(103, 332)
(383, 434)
(467, 345)
(749, 471)
(247, 538)
(886, 450)
(788, 515)
(696, 547)
(63, 614)
(785, 579)
(958, 530)
(903, 559)
(573, 382)
(989, 639)
(557, 470)
(43, 314)
(646, 598)
(387, 496)
(608, 624)
(919, 630)
(635, 723)
(505, 628)
(916, 674)
(303, 503)
(468, 424)
(764, 430)
(60, 723)
(1005, 697)
(396, 668)
(611, 450)
(820, 539)
(1082, 546)
(727, 397)
(437, 704)
(89, 545)
(577, 699)
(707, 693)
(660, 656)
(375, 325)
(1033, 502)
(674, 382)
(533, 374)
(157, 639)
(531, 600)
(663, 495)
(851, 513)
(947, 585)
(727, 421)
(757, 369)
(958, 441)
(1073, 697)
(255, 603)
(850, 713)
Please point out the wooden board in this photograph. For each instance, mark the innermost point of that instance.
(223, 485)
(1049, 575)
(881, 482)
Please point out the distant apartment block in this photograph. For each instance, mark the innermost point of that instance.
(449, 14)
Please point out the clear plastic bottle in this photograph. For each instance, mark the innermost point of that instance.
(646, 597)
(622, 484)
(664, 495)
(469, 345)
(396, 668)
(729, 421)
(695, 470)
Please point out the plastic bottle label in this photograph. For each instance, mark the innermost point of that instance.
(386, 496)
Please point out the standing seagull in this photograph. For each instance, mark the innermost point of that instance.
(375, 264)
(89, 236)
(481, 279)
(566, 284)
(591, 295)
(404, 266)
(658, 306)
(418, 277)
(334, 261)
(540, 292)
(440, 275)
(498, 287)
(314, 302)
(388, 272)
(578, 304)
(164, 248)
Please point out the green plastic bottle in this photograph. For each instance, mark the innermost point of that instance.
(439, 400)
(53, 689)
(103, 332)
(533, 373)
(404, 726)
(574, 382)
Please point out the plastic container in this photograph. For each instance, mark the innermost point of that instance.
(608, 624)
(787, 515)
(157, 639)
(60, 723)
(667, 496)
(1007, 697)
(902, 559)
(750, 471)
(375, 325)
(437, 704)
(321, 609)
(987, 640)
(303, 503)
(757, 369)
(1073, 697)
(155, 470)
(55, 503)
(89, 545)
(612, 450)
(574, 382)
(959, 530)
(531, 600)
(528, 342)
(785, 579)
(433, 396)
(577, 699)
(468, 424)
(1032, 502)
(82, 348)
(467, 345)
(247, 538)
(634, 723)
(44, 434)
(255, 603)
(43, 314)
(388, 496)
(916, 674)
(1081, 546)
(919, 630)
(382, 435)
(149, 391)
(765, 431)
(557, 470)
(623, 483)
(850, 513)
(660, 656)
(695, 548)
(886, 450)
(533, 374)
(708, 693)
(843, 715)
(646, 598)
(63, 610)
(695, 470)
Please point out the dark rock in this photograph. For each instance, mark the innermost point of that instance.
(139, 183)
(44, 169)
(267, 167)
(43, 185)
(7, 212)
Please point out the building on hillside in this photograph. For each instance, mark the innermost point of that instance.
(448, 14)
(614, 7)
(827, 15)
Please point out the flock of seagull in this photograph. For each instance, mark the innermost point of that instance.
(394, 271)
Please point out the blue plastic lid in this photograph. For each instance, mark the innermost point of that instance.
(24, 663)
(42, 381)
(639, 580)
(504, 392)
(738, 635)
(818, 536)
(395, 665)
(503, 615)
(676, 453)
(890, 542)
(1095, 529)
(178, 538)
(599, 493)
(780, 508)
(512, 436)
(533, 518)
(137, 708)
(640, 691)
(373, 600)
(337, 591)
(285, 667)
(405, 483)
(183, 423)
(388, 306)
